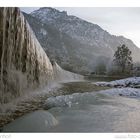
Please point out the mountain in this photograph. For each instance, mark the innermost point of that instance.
(75, 44)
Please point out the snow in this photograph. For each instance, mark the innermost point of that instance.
(129, 92)
(125, 87)
(88, 97)
(62, 101)
(128, 82)
(92, 97)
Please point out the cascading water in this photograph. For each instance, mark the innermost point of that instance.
(24, 64)
(63, 75)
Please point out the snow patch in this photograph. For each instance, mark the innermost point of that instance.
(130, 92)
(127, 82)
(124, 87)
(73, 99)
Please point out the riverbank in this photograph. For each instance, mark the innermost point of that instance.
(86, 112)
(25, 104)
(129, 87)
(35, 101)
(133, 82)
(83, 106)
(108, 78)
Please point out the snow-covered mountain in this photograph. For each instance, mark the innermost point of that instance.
(74, 43)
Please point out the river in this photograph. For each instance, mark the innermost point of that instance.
(79, 107)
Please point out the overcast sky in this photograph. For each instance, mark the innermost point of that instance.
(117, 21)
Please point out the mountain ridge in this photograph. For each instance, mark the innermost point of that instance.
(74, 43)
(69, 15)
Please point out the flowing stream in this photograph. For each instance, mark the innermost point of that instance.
(80, 107)
(71, 107)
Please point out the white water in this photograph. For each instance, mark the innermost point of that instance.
(62, 75)
(24, 65)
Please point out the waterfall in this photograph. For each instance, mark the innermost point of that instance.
(24, 64)
(63, 75)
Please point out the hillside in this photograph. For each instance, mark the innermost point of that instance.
(74, 43)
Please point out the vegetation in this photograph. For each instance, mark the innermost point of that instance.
(122, 64)
(123, 60)
(100, 69)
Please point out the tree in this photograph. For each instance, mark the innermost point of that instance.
(100, 68)
(136, 69)
(123, 59)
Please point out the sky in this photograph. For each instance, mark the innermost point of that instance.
(117, 21)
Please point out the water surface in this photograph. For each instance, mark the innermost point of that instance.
(81, 108)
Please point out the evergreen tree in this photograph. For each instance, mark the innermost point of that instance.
(123, 59)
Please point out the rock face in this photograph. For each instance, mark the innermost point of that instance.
(24, 64)
(75, 44)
